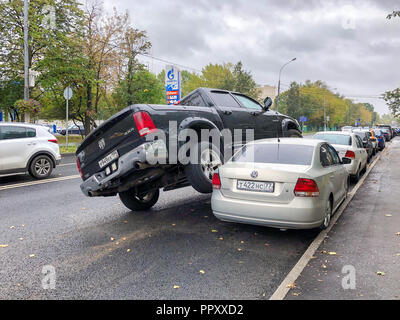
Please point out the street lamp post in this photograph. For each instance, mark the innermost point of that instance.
(325, 109)
(279, 83)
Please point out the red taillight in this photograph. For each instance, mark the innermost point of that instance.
(144, 123)
(79, 167)
(306, 188)
(350, 154)
(216, 181)
(53, 140)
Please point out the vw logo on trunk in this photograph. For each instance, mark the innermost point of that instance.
(102, 144)
(254, 174)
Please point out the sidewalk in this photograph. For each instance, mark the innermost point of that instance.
(366, 237)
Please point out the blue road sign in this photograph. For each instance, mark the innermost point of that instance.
(1, 116)
(303, 119)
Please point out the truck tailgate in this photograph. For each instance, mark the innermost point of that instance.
(117, 133)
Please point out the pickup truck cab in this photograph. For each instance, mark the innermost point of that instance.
(114, 158)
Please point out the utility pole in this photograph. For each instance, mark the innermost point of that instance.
(324, 114)
(26, 54)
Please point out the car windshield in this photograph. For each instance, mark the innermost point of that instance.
(360, 134)
(334, 138)
(275, 153)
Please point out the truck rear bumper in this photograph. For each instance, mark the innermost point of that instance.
(151, 152)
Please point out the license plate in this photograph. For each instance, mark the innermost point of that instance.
(110, 158)
(255, 186)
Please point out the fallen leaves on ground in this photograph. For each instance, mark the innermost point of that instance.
(213, 230)
(380, 273)
(112, 239)
(291, 286)
(12, 227)
(3, 245)
(332, 253)
(324, 266)
(388, 215)
(239, 249)
(31, 255)
(202, 272)
(129, 250)
(266, 244)
(176, 287)
(398, 234)
(220, 238)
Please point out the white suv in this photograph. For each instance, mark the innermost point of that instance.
(27, 147)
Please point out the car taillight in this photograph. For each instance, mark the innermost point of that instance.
(216, 181)
(306, 188)
(53, 140)
(350, 154)
(79, 167)
(144, 123)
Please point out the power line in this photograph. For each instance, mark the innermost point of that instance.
(169, 62)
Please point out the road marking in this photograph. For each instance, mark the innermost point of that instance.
(67, 164)
(292, 276)
(32, 183)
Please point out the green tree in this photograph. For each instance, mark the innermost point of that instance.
(392, 99)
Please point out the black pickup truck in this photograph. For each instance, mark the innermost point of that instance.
(114, 158)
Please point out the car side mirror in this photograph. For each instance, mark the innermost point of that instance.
(267, 103)
(346, 160)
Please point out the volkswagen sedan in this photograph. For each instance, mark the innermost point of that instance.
(294, 183)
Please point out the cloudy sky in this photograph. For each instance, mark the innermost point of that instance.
(348, 44)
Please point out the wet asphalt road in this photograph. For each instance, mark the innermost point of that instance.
(101, 250)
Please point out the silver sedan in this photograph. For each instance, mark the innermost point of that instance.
(294, 183)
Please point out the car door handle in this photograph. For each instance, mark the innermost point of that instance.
(32, 144)
(227, 112)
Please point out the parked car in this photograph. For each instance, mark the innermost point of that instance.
(73, 130)
(28, 148)
(348, 145)
(113, 159)
(387, 128)
(367, 142)
(294, 183)
(379, 137)
(386, 133)
(347, 128)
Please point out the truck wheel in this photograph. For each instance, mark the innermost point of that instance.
(41, 167)
(200, 174)
(136, 202)
(292, 133)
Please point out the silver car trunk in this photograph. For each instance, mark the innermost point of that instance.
(283, 176)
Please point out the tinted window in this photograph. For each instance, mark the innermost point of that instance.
(359, 142)
(223, 99)
(7, 133)
(248, 103)
(275, 153)
(193, 100)
(335, 156)
(30, 133)
(326, 156)
(334, 138)
(360, 134)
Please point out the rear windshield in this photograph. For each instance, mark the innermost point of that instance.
(275, 153)
(334, 138)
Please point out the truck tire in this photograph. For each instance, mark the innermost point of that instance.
(41, 167)
(293, 133)
(134, 202)
(200, 174)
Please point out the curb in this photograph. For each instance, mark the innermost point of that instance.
(292, 276)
